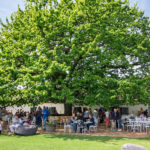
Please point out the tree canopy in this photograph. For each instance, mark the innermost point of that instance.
(93, 52)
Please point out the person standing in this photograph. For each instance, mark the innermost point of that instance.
(119, 120)
(101, 114)
(86, 114)
(107, 119)
(116, 118)
(38, 116)
(95, 116)
(45, 117)
(0, 127)
(112, 120)
(48, 111)
(146, 113)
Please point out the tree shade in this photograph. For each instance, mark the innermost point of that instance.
(93, 52)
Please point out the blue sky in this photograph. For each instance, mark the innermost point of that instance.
(9, 6)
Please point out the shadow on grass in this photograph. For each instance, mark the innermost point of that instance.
(104, 139)
(91, 138)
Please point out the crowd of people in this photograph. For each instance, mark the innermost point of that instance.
(112, 119)
(38, 116)
(141, 114)
(115, 119)
(79, 119)
(83, 120)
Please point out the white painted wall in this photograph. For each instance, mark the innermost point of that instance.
(136, 108)
(132, 109)
(59, 107)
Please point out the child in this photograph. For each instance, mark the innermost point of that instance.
(112, 119)
(113, 126)
(0, 127)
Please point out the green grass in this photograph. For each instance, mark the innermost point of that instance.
(67, 142)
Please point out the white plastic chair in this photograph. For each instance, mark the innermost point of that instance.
(130, 126)
(137, 127)
(68, 128)
(94, 127)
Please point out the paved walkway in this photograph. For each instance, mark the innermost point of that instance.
(101, 132)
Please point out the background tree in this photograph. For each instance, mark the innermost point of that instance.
(81, 52)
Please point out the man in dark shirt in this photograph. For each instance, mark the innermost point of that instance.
(119, 120)
(92, 122)
(73, 122)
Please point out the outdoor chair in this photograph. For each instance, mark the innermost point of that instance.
(123, 126)
(130, 126)
(137, 127)
(146, 126)
(81, 127)
(132, 147)
(94, 127)
(68, 128)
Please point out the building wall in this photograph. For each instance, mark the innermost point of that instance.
(59, 107)
(136, 108)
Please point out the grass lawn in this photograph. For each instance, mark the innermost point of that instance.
(67, 142)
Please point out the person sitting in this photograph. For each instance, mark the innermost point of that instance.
(17, 121)
(80, 123)
(73, 122)
(29, 118)
(92, 122)
(80, 116)
(142, 116)
(132, 117)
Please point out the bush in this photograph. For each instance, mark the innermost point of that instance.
(52, 123)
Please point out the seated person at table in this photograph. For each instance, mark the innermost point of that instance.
(80, 116)
(92, 122)
(73, 122)
(17, 121)
(132, 117)
(142, 115)
(80, 123)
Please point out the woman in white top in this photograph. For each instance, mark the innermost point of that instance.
(17, 121)
(86, 114)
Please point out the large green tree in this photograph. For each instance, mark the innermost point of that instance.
(93, 52)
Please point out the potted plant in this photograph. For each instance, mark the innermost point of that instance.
(51, 126)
